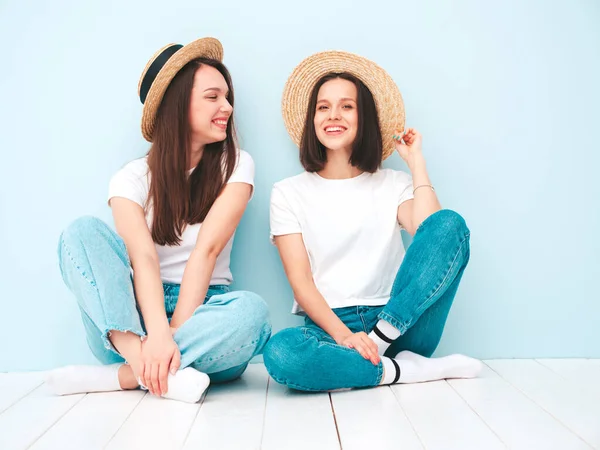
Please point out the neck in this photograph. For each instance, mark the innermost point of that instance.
(338, 165)
(196, 149)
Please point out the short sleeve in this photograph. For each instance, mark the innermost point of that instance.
(131, 182)
(404, 187)
(244, 170)
(282, 217)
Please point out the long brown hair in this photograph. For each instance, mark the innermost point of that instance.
(368, 144)
(177, 199)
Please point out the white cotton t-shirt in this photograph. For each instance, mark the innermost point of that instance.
(133, 182)
(350, 231)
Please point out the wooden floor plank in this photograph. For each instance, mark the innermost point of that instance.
(519, 422)
(561, 398)
(373, 418)
(442, 419)
(232, 414)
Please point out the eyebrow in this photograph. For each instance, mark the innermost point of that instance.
(215, 89)
(345, 99)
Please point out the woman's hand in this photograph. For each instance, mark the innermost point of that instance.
(409, 145)
(160, 355)
(364, 345)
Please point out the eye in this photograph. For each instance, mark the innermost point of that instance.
(322, 107)
(212, 97)
(348, 106)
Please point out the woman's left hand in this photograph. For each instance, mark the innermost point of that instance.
(408, 145)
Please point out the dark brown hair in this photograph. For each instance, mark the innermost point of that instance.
(367, 146)
(177, 199)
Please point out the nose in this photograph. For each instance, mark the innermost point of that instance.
(226, 107)
(334, 113)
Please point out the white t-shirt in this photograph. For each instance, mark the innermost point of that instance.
(133, 182)
(350, 231)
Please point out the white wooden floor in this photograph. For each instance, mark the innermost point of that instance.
(517, 404)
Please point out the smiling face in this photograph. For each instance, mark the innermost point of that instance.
(210, 110)
(336, 115)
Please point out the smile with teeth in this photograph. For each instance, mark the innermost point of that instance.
(221, 123)
(334, 129)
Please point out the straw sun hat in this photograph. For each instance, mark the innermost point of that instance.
(162, 68)
(301, 82)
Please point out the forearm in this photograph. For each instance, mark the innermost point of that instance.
(194, 286)
(312, 302)
(426, 202)
(150, 295)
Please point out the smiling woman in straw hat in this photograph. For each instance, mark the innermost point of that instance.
(175, 319)
(374, 314)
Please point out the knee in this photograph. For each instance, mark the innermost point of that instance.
(251, 315)
(450, 221)
(80, 230)
(446, 223)
(255, 309)
(282, 355)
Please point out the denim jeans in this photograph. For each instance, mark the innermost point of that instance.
(307, 358)
(220, 338)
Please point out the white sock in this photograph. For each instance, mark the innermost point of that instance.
(83, 379)
(383, 335)
(408, 367)
(187, 385)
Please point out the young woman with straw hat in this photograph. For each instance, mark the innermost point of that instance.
(155, 297)
(374, 313)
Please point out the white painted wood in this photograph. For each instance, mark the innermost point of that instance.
(298, 420)
(92, 422)
(442, 419)
(574, 369)
(373, 418)
(519, 422)
(561, 398)
(232, 414)
(14, 386)
(156, 423)
(28, 419)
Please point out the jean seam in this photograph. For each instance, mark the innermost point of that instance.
(403, 327)
(200, 361)
(306, 388)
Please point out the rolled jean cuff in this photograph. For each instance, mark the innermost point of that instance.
(394, 322)
(107, 331)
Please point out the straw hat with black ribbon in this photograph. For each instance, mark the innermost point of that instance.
(299, 86)
(162, 68)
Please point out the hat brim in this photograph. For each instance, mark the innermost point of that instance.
(202, 48)
(299, 86)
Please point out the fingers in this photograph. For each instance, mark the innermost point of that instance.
(148, 376)
(365, 347)
(372, 348)
(141, 375)
(163, 373)
(175, 363)
(154, 379)
(361, 348)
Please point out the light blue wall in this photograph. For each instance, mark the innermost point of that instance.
(505, 94)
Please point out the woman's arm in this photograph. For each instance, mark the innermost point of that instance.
(216, 230)
(132, 227)
(413, 212)
(297, 268)
(160, 353)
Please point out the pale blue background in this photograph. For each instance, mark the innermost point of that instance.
(506, 96)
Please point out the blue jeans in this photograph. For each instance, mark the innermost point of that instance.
(308, 359)
(219, 339)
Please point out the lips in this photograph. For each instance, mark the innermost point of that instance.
(221, 123)
(334, 130)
